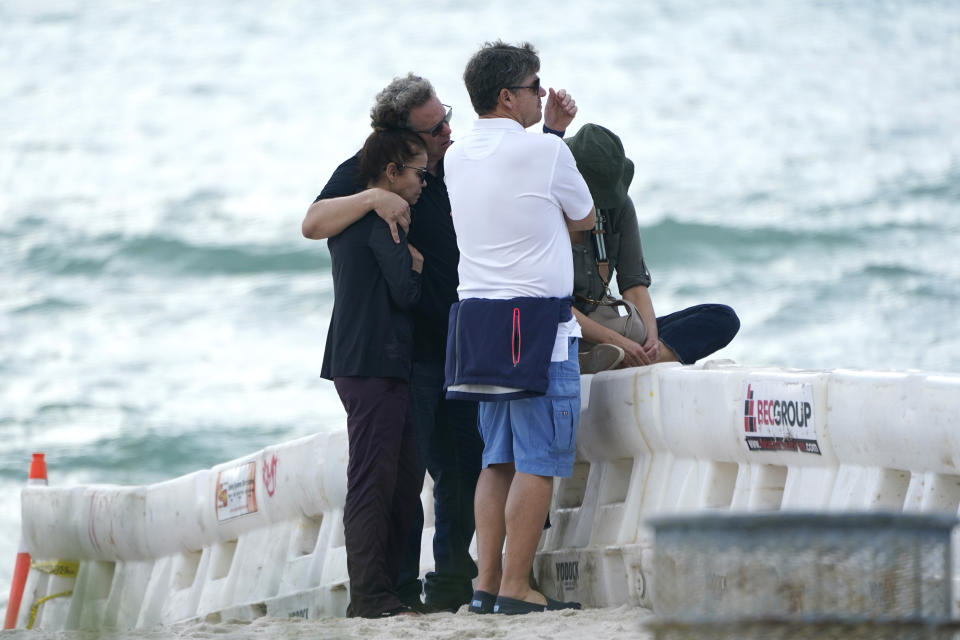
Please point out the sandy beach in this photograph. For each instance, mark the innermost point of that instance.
(618, 623)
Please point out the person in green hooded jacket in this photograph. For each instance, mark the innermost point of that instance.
(614, 247)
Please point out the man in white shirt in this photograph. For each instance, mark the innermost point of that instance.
(514, 198)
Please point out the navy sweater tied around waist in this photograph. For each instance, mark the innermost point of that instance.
(504, 345)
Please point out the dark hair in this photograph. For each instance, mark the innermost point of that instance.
(384, 146)
(496, 66)
(392, 106)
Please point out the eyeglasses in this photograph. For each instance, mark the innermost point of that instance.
(435, 131)
(421, 171)
(535, 87)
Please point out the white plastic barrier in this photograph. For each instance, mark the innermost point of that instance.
(263, 535)
(669, 439)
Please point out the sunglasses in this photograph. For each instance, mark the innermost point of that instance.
(535, 87)
(421, 171)
(435, 131)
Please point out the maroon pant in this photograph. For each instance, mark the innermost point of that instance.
(382, 488)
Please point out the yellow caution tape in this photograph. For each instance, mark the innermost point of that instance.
(62, 568)
(36, 606)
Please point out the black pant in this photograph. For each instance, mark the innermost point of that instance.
(449, 447)
(382, 488)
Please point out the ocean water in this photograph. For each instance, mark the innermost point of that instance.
(160, 311)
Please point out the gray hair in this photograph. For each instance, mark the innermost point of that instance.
(497, 66)
(392, 106)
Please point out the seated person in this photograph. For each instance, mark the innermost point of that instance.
(376, 283)
(684, 336)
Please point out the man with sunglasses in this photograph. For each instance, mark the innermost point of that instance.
(515, 197)
(449, 444)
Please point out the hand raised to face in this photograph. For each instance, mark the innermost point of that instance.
(560, 110)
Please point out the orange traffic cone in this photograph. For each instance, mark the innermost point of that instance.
(37, 475)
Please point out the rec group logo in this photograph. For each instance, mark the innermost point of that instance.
(779, 416)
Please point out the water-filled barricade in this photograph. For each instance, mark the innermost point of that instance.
(263, 534)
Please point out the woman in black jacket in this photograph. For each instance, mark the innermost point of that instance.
(368, 353)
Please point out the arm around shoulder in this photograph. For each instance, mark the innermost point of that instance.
(330, 216)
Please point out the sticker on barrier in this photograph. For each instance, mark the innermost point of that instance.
(270, 475)
(61, 568)
(236, 491)
(779, 416)
(568, 574)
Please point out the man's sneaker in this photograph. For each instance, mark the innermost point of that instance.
(402, 610)
(512, 606)
(600, 358)
(418, 605)
(446, 592)
(482, 602)
(434, 607)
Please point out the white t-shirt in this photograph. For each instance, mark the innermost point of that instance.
(509, 191)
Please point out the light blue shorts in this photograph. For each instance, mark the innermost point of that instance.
(538, 435)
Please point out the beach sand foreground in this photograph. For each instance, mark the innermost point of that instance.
(616, 623)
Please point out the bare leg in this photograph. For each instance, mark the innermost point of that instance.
(666, 354)
(526, 509)
(489, 505)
